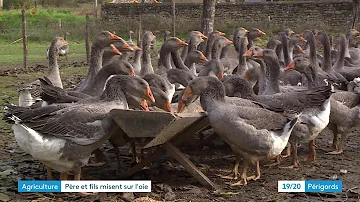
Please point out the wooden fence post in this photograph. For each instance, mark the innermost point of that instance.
(95, 9)
(173, 17)
(25, 47)
(87, 36)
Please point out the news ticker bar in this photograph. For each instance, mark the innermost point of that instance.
(84, 186)
(145, 186)
(310, 186)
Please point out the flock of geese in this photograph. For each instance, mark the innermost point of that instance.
(261, 102)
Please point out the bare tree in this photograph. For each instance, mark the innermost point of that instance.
(355, 13)
(1, 4)
(207, 20)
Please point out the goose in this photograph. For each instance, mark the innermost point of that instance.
(194, 57)
(326, 63)
(194, 40)
(63, 136)
(63, 50)
(109, 56)
(344, 113)
(350, 73)
(240, 32)
(147, 42)
(53, 94)
(102, 40)
(210, 41)
(245, 129)
(253, 34)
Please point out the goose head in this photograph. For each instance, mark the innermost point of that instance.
(296, 39)
(173, 44)
(255, 50)
(105, 38)
(302, 65)
(149, 39)
(157, 81)
(161, 99)
(289, 32)
(197, 56)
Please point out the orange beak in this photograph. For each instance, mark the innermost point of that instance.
(302, 39)
(257, 39)
(291, 31)
(181, 106)
(114, 37)
(137, 48)
(127, 47)
(220, 75)
(228, 42)
(182, 43)
(167, 106)
(203, 58)
(246, 31)
(115, 50)
(246, 76)
(290, 67)
(187, 92)
(222, 33)
(356, 31)
(301, 50)
(65, 43)
(135, 1)
(259, 54)
(132, 73)
(202, 36)
(149, 94)
(155, 1)
(261, 32)
(144, 105)
(248, 53)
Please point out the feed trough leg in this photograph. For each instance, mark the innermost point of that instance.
(188, 165)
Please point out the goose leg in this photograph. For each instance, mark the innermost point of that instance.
(77, 176)
(312, 152)
(335, 131)
(135, 159)
(295, 159)
(243, 180)
(49, 173)
(257, 176)
(277, 162)
(63, 176)
(340, 148)
(117, 154)
(288, 152)
(100, 158)
(234, 174)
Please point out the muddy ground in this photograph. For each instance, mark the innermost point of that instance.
(171, 183)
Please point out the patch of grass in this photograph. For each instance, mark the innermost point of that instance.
(42, 24)
(11, 56)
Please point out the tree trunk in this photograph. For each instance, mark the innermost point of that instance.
(207, 20)
(87, 38)
(173, 17)
(355, 13)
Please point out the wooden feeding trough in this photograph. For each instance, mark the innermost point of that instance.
(167, 130)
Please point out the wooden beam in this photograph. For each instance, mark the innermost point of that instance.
(189, 166)
(147, 161)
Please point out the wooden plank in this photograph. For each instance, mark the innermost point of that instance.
(196, 127)
(173, 130)
(147, 161)
(189, 166)
(139, 124)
